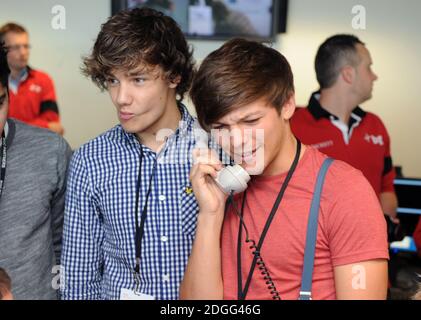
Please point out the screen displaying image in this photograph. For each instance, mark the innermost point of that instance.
(217, 19)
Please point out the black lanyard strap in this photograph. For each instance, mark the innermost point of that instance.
(140, 229)
(243, 293)
(3, 162)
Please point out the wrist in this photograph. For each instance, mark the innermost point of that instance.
(210, 219)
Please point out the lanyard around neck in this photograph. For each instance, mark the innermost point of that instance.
(243, 292)
(3, 162)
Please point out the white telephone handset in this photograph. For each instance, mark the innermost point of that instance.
(231, 178)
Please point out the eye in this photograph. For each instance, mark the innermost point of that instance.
(251, 121)
(111, 82)
(139, 80)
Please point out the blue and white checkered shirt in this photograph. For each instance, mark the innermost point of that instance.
(98, 254)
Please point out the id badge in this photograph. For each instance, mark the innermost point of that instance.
(128, 294)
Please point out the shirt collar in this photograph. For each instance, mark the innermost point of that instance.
(14, 83)
(318, 112)
(182, 129)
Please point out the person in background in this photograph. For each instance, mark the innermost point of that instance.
(32, 97)
(335, 124)
(33, 170)
(5, 286)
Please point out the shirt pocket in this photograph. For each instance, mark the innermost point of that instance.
(189, 210)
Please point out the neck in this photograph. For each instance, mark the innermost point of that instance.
(169, 121)
(286, 154)
(337, 103)
(15, 73)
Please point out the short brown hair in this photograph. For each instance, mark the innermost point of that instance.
(239, 73)
(141, 36)
(331, 56)
(11, 27)
(5, 283)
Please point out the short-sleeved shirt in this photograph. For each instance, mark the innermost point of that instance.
(33, 99)
(363, 143)
(351, 229)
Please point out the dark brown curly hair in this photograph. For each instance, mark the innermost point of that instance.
(141, 37)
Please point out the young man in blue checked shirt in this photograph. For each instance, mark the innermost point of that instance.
(130, 213)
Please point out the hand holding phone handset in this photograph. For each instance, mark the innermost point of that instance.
(231, 178)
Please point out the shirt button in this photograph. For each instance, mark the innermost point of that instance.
(164, 238)
(166, 278)
(162, 197)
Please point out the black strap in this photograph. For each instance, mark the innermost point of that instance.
(140, 229)
(243, 293)
(3, 162)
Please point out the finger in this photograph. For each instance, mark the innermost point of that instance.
(200, 172)
(207, 156)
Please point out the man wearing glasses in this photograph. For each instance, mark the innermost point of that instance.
(32, 94)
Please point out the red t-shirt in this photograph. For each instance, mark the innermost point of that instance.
(35, 101)
(368, 148)
(351, 229)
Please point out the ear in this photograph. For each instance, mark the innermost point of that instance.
(288, 108)
(174, 83)
(348, 74)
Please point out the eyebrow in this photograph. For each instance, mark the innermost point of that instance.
(137, 73)
(243, 118)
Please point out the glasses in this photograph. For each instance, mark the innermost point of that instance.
(17, 47)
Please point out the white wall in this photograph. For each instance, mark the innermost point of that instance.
(85, 111)
(393, 35)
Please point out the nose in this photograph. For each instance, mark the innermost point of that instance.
(375, 77)
(236, 140)
(123, 97)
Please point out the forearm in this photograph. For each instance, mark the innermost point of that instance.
(389, 203)
(203, 276)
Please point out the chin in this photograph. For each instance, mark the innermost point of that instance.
(130, 129)
(254, 168)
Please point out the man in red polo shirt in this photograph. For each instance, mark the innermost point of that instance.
(334, 123)
(32, 98)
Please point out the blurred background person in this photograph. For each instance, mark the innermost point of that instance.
(32, 98)
(335, 124)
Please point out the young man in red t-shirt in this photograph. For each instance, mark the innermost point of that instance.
(247, 87)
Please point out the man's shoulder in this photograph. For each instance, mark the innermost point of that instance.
(26, 133)
(40, 143)
(40, 75)
(96, 146)
(301, 116)
(373, 119)
(341, 176)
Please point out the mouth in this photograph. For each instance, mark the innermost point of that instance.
(125, 116)
(246, 157)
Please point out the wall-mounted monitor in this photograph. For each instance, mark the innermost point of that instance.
(219, 19)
